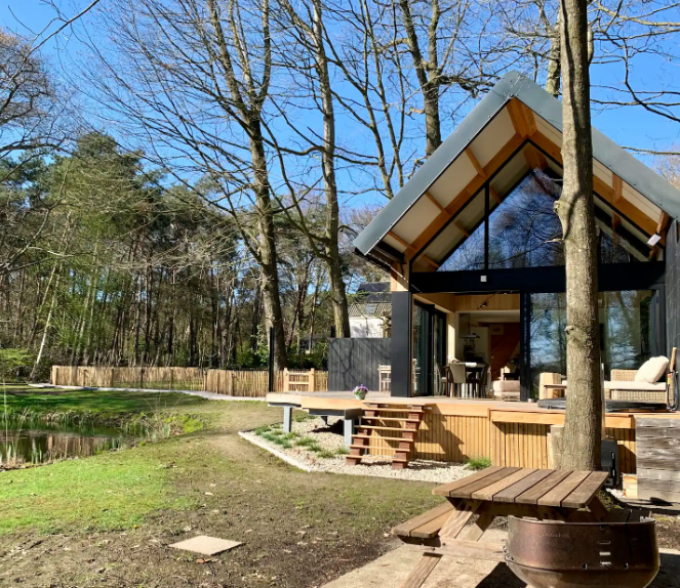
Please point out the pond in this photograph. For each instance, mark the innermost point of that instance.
(33, 442)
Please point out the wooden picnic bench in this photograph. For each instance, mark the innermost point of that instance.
(449, 529)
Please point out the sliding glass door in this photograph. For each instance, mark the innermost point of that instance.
(429, 348)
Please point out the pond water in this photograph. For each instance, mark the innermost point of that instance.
(41, 442)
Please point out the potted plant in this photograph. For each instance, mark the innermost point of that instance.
(360, 392)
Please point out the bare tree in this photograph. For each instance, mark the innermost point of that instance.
(192, 79)
(576, 209)
(310, 64)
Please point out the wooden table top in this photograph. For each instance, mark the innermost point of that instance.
(554, 488)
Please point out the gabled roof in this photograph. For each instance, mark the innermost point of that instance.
(516, 128)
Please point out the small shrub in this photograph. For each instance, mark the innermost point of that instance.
(262, 430)
(478, 463)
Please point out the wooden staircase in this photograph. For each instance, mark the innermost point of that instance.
(380, 416)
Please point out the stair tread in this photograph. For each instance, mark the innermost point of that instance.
(374, 447)
(359, 436)
(401, 420)
(394, 407)
(380, 428)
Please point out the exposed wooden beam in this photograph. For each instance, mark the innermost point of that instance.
(616, 221)
(461, 228)
(606, 192)
(475, 162)
(522, 117)
(435, 202)
(528, 116)
(662, 224)
(409, 248)
(400, 240)
(517, 118)
(535, 158)
(468, 192)
(494, 195)
(617, 191)
(432, 262)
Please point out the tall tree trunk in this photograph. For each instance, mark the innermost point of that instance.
(552, 82)
(269, 271)
(46, 330)
(577, 215)
(332, 236)
(429, 87)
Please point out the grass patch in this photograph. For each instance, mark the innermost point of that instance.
(78, 405)
(478, 463)
(109, 491)
(342, 451)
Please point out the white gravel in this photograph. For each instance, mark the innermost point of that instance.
(330, 438)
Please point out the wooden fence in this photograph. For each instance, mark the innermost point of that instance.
(252, 384)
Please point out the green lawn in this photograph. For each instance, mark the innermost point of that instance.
(106, 520)
(109, 404)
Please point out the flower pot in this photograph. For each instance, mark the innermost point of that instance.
(360, 395)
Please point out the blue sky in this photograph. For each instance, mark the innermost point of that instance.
(630, 127)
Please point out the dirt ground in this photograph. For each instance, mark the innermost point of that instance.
(299, 530)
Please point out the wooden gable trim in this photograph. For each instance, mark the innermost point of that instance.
(535, 158)
(409, 249)
(606, 192)
(523, 119)
(468, 192)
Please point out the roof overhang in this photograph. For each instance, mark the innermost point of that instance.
(516, 128)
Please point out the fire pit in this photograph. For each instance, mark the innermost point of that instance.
(549, 554)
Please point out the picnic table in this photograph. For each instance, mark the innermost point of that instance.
(496, 491)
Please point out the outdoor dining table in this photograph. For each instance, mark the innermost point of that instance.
(496, 491)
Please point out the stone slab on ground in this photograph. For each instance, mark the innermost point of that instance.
(206, 545)
(392, 569)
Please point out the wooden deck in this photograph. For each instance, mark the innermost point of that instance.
(511, 434)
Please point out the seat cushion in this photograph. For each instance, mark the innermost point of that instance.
(505, 387)
(652, 370)
(644, 386)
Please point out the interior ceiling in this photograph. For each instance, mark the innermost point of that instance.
(515, 141)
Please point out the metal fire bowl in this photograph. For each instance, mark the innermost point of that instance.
(548, 554)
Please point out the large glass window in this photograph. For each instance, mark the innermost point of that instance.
(626, 332)
(524, 230)
(523, 227)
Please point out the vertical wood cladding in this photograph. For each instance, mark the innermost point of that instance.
(457, 438)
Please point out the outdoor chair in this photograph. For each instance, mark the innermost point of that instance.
(647, 384)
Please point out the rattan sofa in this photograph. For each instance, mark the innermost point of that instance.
(623, 386)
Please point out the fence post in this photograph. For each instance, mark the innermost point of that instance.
(311, 381)
(272, 343)
(286, 382)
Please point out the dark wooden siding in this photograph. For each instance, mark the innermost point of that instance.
(355, 361)
(672, 288)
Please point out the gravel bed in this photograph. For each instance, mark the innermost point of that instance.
(330, 438)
